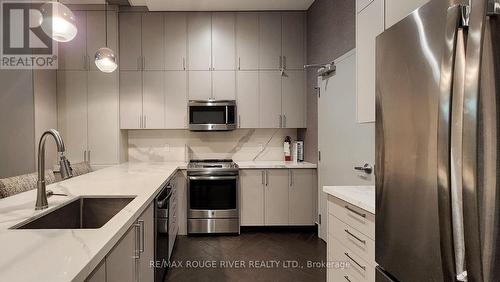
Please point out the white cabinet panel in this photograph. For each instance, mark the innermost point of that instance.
(121, 262)
(248, 99)
(199, 41)
(153, 49)
(396, 10)
(247, 41)
(252, 197)
(147, 243)
(270, 99)
(153, 99)
(224, 85)
(73, 54)
(293, 41)
(223, 41)
(130, 41)
(96, 35)
(103, 110)
(301, 197)
(369, 24)
(175, 41)
(270, 40)
(72, 112)
(175, 99)
(276, 197)
(294, 99)
(200, 85)
(130, 99)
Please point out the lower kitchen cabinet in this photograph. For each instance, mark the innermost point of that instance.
(273, 197)
(121, 261)
(146, 245)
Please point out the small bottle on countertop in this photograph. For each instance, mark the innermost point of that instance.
(286, 148)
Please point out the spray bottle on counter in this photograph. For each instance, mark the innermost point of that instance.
(286, 148)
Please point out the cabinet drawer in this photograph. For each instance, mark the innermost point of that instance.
(355, 217)
(358, 269)
(353, 239)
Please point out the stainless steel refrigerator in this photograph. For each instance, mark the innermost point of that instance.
(438, 144)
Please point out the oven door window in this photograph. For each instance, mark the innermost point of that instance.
(207, 114)
(212, 194)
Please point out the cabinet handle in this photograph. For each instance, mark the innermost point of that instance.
(239, 63)
(141, 242)
(85, 156)
(84, 58)
(88, 158)
(145, 121)
(263, 178)
(183, 63)
(355, 237)
(291, 178)
(355, 212)
(280, 121)
(284, 121)
(284, 62)
(137, 253)
(267, 178)
(281, 63)
(139, 63)
(357, 263)
(143, 62)
(239, 121)
(140, 121)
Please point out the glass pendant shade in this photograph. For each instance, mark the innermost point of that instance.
(105, 60)
(58, 21)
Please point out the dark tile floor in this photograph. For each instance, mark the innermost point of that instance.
(262, 256)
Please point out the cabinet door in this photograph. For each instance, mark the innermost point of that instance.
(293, 41)
(369, 24)
(103, 124)
(270, 99)
(396, 10)
(252, 197)
(301, 197)
(200, 85)
(146, 245)
(224, 85)
(294, 99)
(175, 41)
(99, 273)
(223, 41)
(130, 99)
(121, 262)
(153, 99)
(96, 35)
(199, 41)
(153, 48)
(73, 54)
(247, 41)
(270, 41)
(247, 92)
(276, 197)
(175, 99)
(72, 112)
(130, 41)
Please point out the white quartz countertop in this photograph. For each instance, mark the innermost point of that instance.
(360, 196)
(69, 254)
(274, 164)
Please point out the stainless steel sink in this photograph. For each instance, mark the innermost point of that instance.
(81, 213)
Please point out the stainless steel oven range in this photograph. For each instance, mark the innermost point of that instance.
(213, 193)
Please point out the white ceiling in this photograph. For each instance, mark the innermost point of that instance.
(222, 5)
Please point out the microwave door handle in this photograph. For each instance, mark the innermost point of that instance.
(227, 114)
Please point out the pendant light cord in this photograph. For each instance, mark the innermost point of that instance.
(106, 20)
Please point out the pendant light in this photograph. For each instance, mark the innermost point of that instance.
(58, 21)
(105, 58)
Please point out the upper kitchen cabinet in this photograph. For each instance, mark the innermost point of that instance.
(130, 100)
(293, 99)
(175, 41)
(96, 34)
(247, 92)
(200, 85)
(175, 99)
(224, 85)
(130, 41)
(270, 41)
(199, 41)
(293, 44)
(369, 24)
(73, 54)
(153, 99)
(396, 10)
(223, 41)
(270, 99)
(247, 41)
(153, 49)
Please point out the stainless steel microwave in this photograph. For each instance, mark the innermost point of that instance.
(212, 115)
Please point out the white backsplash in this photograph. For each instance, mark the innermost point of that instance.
(182, 145)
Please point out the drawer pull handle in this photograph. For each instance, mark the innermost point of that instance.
(355, 237)
(347, 278)
(357, 263)
(356, 212)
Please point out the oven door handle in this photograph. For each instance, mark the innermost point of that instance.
(212, 177)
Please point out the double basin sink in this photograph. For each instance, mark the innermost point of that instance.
(80, 213)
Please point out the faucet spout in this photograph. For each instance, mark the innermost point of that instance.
(65, 167)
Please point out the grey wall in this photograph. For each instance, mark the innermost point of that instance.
(330, 34)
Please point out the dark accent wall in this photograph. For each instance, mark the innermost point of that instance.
(330, 34)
